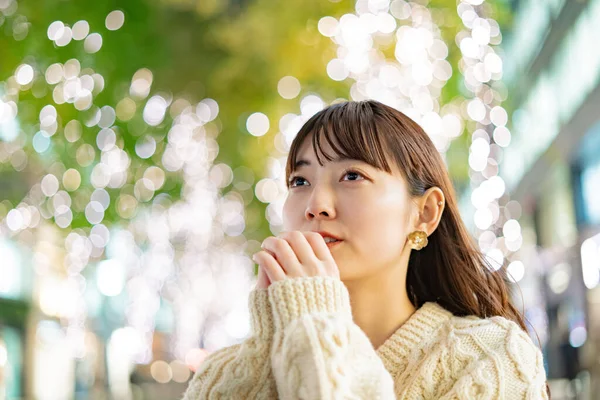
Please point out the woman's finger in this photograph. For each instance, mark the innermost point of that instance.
(263, 281)
(302, 248)
(272, 268)
(283, 252)
(318, 245)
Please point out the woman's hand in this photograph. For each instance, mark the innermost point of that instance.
(263, 281)
(295, 254)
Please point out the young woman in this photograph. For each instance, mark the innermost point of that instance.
(400, 306)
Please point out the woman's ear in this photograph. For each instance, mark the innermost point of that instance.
(430, 207)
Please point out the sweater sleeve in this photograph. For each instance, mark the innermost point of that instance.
(507, 364)
(233, 372)
(318, 352)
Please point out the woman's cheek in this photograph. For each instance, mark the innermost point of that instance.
(292, 215)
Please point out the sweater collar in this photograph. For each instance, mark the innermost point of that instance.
(412, 334)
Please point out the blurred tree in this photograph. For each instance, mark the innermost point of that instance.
(232, 51)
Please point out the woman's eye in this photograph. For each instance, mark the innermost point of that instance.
(353, 173)
(294, 180)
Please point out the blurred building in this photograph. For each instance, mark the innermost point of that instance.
(552, 169)
(42, 357)
(14, 311)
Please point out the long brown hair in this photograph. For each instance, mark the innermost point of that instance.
(450, 270)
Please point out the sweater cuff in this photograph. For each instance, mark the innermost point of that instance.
(295, 297)
(261, 317)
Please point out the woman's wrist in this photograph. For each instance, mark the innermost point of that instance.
(261, 315)
(292, 298)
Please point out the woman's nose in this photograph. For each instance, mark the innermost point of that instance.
(320, 205)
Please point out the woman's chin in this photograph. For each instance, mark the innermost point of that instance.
(346, 275)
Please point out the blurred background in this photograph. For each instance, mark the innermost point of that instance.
(142, 154)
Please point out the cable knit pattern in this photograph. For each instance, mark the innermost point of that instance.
(242, 371)
(318, 352)
(304, 345)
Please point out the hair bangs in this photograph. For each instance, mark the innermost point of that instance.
(351, 132)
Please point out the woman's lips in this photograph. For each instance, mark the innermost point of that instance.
(333, 244)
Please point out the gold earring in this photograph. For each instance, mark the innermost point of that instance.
(417, 240)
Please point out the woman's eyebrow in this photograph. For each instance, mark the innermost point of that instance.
(302, 162)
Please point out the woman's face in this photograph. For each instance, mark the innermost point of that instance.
(368, 208)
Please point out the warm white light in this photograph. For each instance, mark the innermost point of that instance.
(49, 185)
(155, 110)
(496, 186)
(311, 105)
(495, 258)
(94, 212)
(3, 355)
(559, 278)
(453, 126)
(80, 30)
(195, 357)
(181, 372)
(161, 371)
(590, 262)
(469, 48)
(328, 26)
(257, 124)
(65, 38)
(480, 148)
(266, 190)
(115, 20)
(514, 245)
(511, 229)
(499, 116)
(110, 277)
(516, 271)
(92, 43)
(476, 110)
(483, 218)
(207, 110)
(578, 336)
(337, 70)
(288, 87)
(502, 136)
(24, 74)
(493, 63)
(481, 31)
(55, 30)
(10, 269)
(145, 147)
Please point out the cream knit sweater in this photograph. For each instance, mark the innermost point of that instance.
(304, 345)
